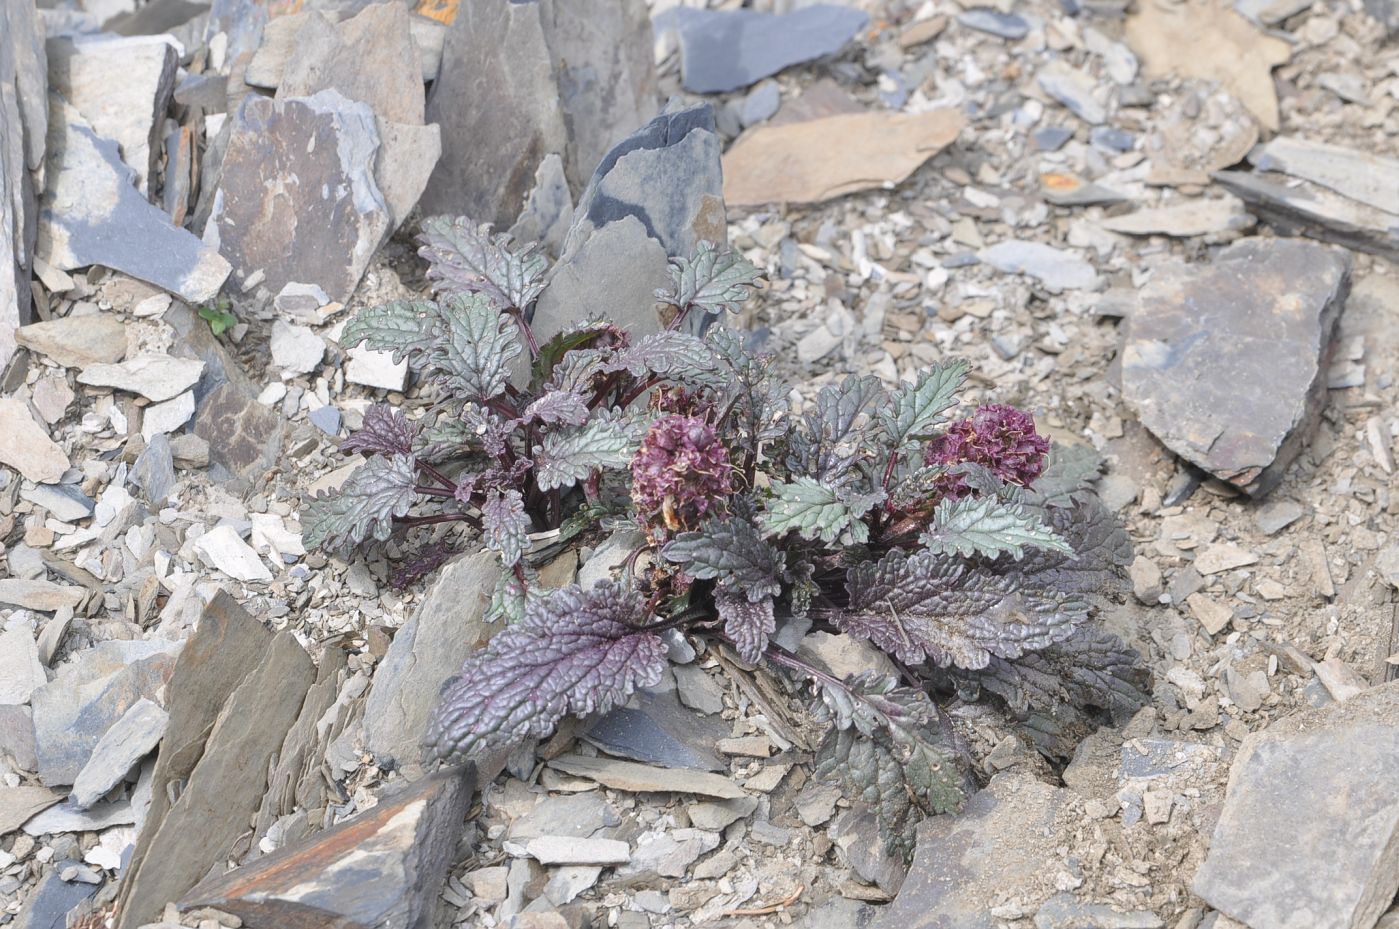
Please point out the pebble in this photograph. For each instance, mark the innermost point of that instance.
(996, 23)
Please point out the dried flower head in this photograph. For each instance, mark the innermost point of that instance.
(681, 473)
(997, 437)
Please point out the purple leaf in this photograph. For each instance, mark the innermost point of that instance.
(573, 652)
(747, 624)
(364, 506)
(385, 431)
(730, 550)
(504, 525)
(466, 258)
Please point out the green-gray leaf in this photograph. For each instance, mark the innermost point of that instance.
(477, 346)
(914, 409)
(731, 550)
(565, 458)
(400, 326)
(815, 511)
(504, 525)
(364, 506)
(987, 526)
(464, 257)
(712, 279)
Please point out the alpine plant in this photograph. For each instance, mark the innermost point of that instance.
(966, 548)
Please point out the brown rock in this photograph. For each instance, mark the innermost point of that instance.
(381, 868)
(370, 58)
(19, 804)
(77, 341)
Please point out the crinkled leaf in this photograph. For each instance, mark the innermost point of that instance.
(578, 371)
(746, 622)
(565, 458)
(758, 402)
(945, 610)
(669, 353)
(402, 327)
(1101, 550)
(1068, 476)
(421, 563)
(476, 347)
(916, 487)
(833, 439)
(504, 525)
(466, 258)
(558, 406)
(511, 595)
(815, 511)
(730, 550)
(1064, 692)
(574, 651)
(887, 751)
(364, 507)
(914, 409)
(448, 437)
(713, 279)
(385, 431)
(987, 526)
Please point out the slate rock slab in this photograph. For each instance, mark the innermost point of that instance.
(88, 694)
(724, 50)
(20, 804)
(129, 740)
(1299, 207)
(658, 730)
(77, 341)
(155, 377)
(23, 130)
(27, 447)
(297, 201)
(17, 736)
(1226, 364)
(1309, 834)
(448, 626)
(21, 673)
(47, 906)
(91, 214)
(1001, 847)
(383, 867)
(122, 86)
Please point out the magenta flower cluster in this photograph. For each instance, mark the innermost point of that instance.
(681, 473)
(997, 437)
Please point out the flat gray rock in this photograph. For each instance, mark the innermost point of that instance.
(122, 86)
(1205, 216)
(91, 214)
(1309, 834)
(64, 501)
(39, 594)
(68, 816)
(155, 377)
(21, 672)
(119, 750)
(88, 695)
(1225, 363)
(1357, 175)
(77, 341)
(47, 906)
(724, 50)
(448, 626)
(297, 201)
(407, 156)
(154, 470)
(369, 58)
(548, 209)
(1297, 207)
(1055, 268)
(994, 22)
(1000, 848)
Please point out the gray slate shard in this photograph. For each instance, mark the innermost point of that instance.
(658, 730)
(86, 697)
(548, 209)
(91, 214)
(297, 200)
(381, 868)
(119, 750)
(994, 22)
(1297, 207)
(1226, 364)
(122, 86)
(23, 131)
(724, 50)
(17, 736)
(562, 77)
(448, 626)
(47, 906)
(1002, 847)
(1309, 834)
(154, 470)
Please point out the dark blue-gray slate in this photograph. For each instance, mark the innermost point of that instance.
(731, 49)
(994, 22)
(49, 904)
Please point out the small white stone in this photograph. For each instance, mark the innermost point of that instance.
(222, 548)
(375, 369)
(165, 418)
(296, 349)
(571, 850)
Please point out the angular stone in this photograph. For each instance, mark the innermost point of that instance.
(1295, 207)
(994, 22)
(226, 645)
(1073, 89)
(20, 804)
(21, 672)
(1262, 316)
(375, 369)
(297, 201)
(160, 419)
(548, 209)
(91, 214)
(406, 159)
(295, 349)
(369, 58)
(278, 43)
(77, 341)
(1193, 217)
(244, 436)
(383, 867)
(155, 377)
(226, 785)
(223, 548)
(656, 729)
(698, 690)
(37, 594)
(1055, 268)
(88, 694)
(27, 447)
(1355, 174)
(119, 750)
(1309, 833)
(668, 854)
(47, 906)
(122, 86)
(567, 78)
(63, 501)
(724, 50)
(820, 159)
(718, 815)
(568, 850)
(1204, 130)
(1067, 189)
(447, 626)
(579, 815)
(1000, 848)
(17, 736)
(640, 778)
